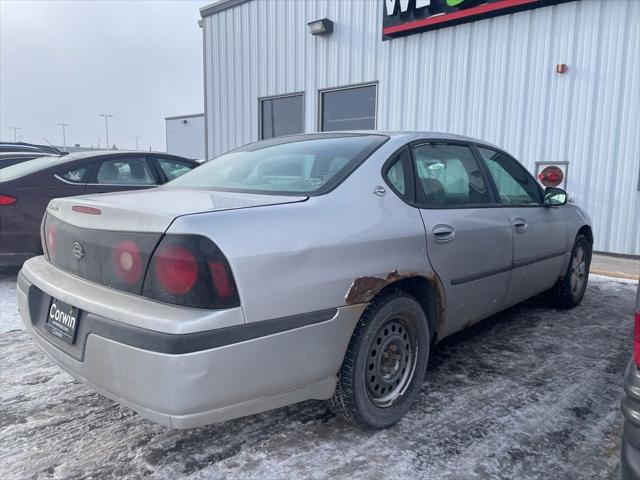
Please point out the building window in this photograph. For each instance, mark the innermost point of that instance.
(349, 108)
(282, 115)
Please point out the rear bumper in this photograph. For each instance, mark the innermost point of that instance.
(630, 450)
(191, 378)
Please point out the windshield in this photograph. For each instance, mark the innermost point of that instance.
(28, 167)
(302, 165)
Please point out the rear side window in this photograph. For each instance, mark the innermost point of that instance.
(448, 175)
(514, 184)
(124, 171)
(74, 175)
(397, 173)
(172, 168)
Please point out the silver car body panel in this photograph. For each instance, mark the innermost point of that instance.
(292, 256)
(473, 265)
(212, 385)
(154, 212)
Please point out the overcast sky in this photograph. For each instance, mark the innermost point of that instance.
(68, 61)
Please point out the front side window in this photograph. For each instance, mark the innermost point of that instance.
(448, 175)
(351, 108)
(125, 171)
(307, 164)
(281, 116)
(173, 169)
(514, 184)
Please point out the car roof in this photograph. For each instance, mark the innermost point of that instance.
(410, 135)
(101, 153)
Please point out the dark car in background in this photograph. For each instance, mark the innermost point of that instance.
(28, 148)
(11, 158)
(26, 189)
(630, 451)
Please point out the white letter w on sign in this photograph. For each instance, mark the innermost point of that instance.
(404, 5)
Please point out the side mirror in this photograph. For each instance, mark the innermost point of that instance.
(554, 197)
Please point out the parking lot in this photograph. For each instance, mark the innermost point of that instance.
(530, 393)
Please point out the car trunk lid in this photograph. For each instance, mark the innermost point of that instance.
(153, 210)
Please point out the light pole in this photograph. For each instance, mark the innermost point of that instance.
(15, 133)
(64, 136)
(106, 125)
(138, 137)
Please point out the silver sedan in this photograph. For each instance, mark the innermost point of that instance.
(319, 266)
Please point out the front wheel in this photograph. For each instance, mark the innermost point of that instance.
(385, 363)
(569, 290)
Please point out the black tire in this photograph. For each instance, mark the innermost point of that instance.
(389, 348)
(569, 290)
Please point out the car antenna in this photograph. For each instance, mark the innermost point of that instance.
(53, 146)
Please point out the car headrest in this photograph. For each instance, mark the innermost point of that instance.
(137, 170)
(433, 190)
(109, 172)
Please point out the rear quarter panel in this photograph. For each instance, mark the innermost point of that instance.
(302, 257)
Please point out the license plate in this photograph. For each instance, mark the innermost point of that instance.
(62, 320)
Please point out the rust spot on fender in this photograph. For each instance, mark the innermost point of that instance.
(363, 289)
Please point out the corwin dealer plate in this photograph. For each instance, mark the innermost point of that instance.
(62, 320)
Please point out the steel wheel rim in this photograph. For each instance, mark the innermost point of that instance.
(578, 270)
(391, 362)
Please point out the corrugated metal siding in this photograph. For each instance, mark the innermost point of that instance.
(493, 79)
(186, 139)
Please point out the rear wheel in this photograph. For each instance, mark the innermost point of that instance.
(385, 362)
(569, 290)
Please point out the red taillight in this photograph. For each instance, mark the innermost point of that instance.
(636, 340)
(7, 200)
(221, 280)
(127, 262)
(190, 270)
(50, 238)
(176, 269)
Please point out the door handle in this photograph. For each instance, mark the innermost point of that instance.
(520, 224)
(443, 233)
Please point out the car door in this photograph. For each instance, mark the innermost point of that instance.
(469, 240)
(540, 234)
(115, 173)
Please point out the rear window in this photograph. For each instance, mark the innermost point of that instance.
(28, 167)
(310, 164)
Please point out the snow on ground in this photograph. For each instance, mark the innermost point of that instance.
(531, 393)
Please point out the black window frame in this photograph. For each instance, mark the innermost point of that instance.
(494, 187)
(322, 91)
(261, 101)
(93, 177)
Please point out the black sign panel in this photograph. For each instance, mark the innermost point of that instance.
(405, 17)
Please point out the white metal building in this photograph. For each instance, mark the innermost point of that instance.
(185, 135)
(547, 80)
